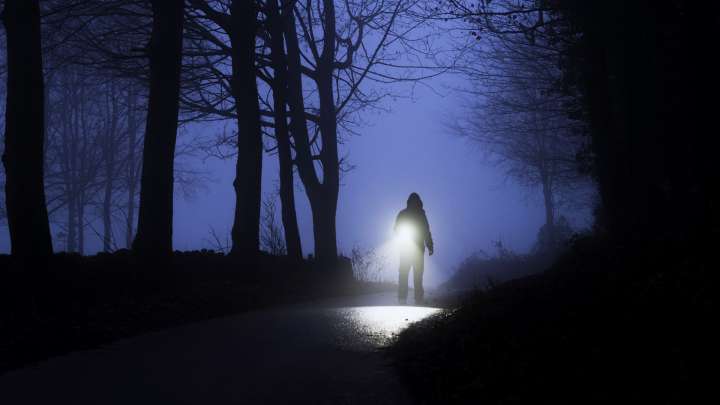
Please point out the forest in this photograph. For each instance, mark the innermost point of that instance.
(597, 114)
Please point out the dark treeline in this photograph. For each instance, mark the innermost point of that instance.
(623, 313)
(646, 102)
(561, 91)
(576, 99)
(607, 89)
(289, 79)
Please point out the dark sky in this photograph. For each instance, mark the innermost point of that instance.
(469, 203)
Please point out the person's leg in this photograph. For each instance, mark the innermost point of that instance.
(418, 269)
(403, 279)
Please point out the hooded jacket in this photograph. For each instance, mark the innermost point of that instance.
(414, 214)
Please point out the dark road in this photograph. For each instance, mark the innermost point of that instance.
(321, 353)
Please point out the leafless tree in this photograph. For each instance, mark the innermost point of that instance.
(73, 153)
(154, 232)
(272, 239)
(108, 41)
(281, 130)
(311, 60)
(518, 111)
(222, 71)
(333, 48)
(3, 82)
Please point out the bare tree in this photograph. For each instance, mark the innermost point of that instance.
(132, 166)
(278, 62)
(518, 111)
(73, 155)
(222, 78)
(106, 40)
(3, 82)
(24, 131)
(336, 46)
(154, 233)
(272, 239)
(210, 95)
(319, 94)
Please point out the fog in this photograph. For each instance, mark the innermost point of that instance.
(469, 201)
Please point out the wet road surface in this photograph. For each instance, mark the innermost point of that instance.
(324, 353)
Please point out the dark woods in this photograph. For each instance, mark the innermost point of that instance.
(565, 95)
(648, 102)
(623, 314)
(176, 63)
(607, 90)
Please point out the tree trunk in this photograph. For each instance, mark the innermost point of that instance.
(248, 172)
(71, 237)
(24, 132)
(323, 196)
(282, 134)
(81, 223)
(107, 216)
(109, 159)
(131, 169)
(324, 230)
(154, 234)
(549, 201)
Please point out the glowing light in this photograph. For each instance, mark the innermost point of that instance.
(405, 238)
(406, 232)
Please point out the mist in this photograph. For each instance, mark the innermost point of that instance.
(409, 148)
(357, 201)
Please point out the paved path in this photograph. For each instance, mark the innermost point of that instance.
(325, 353)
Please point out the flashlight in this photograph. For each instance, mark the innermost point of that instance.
(405, 237)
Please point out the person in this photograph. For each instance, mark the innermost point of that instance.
(412, 224)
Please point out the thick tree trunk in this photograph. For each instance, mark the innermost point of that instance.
(326, 199)
(324, 211)
(154, 234)
(248, 172)
(323, 196)
(282, 134)
(24, 132)
(131, 169)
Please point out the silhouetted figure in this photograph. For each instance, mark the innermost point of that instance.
(413, 231)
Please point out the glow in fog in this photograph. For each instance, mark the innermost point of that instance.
(405, 239)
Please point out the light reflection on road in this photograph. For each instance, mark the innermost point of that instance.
(376, 325)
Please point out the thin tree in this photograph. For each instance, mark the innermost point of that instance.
(282, 131)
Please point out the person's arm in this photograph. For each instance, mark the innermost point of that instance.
(428, 237)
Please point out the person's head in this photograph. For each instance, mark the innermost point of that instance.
(414, 201)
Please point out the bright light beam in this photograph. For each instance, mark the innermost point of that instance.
(405, 238)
